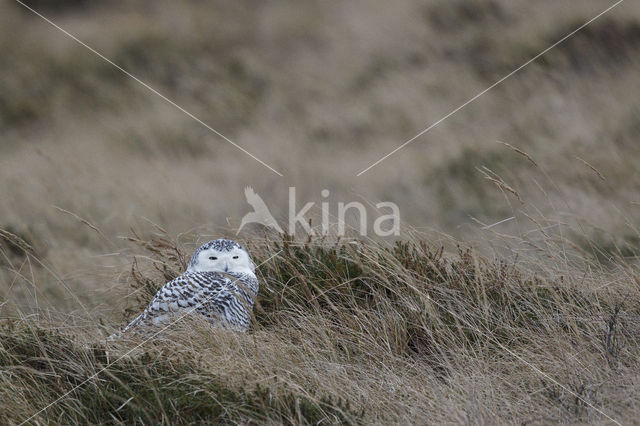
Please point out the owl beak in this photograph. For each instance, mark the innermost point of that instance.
(226, 267)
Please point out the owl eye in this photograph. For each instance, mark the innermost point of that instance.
(235, 257)
(213, 258)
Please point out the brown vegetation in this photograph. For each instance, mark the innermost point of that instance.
(512, 295)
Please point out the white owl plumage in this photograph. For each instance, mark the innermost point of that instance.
(219, 283)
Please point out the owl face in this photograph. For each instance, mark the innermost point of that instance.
(221, 256)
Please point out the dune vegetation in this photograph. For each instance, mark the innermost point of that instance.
(511, 296)
(351, 333)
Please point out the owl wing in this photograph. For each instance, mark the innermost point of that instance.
(189, 292)
(233, 301)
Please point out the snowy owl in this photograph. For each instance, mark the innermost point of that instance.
(219, 283)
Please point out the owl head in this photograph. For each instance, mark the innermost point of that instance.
(221, 255)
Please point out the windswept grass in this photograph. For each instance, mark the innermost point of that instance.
(534, 319)
(346, 332)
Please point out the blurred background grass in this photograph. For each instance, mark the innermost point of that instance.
(319, 91)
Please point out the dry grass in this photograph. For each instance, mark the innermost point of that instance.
(319, 92)
(536, 323)
(348, 333)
